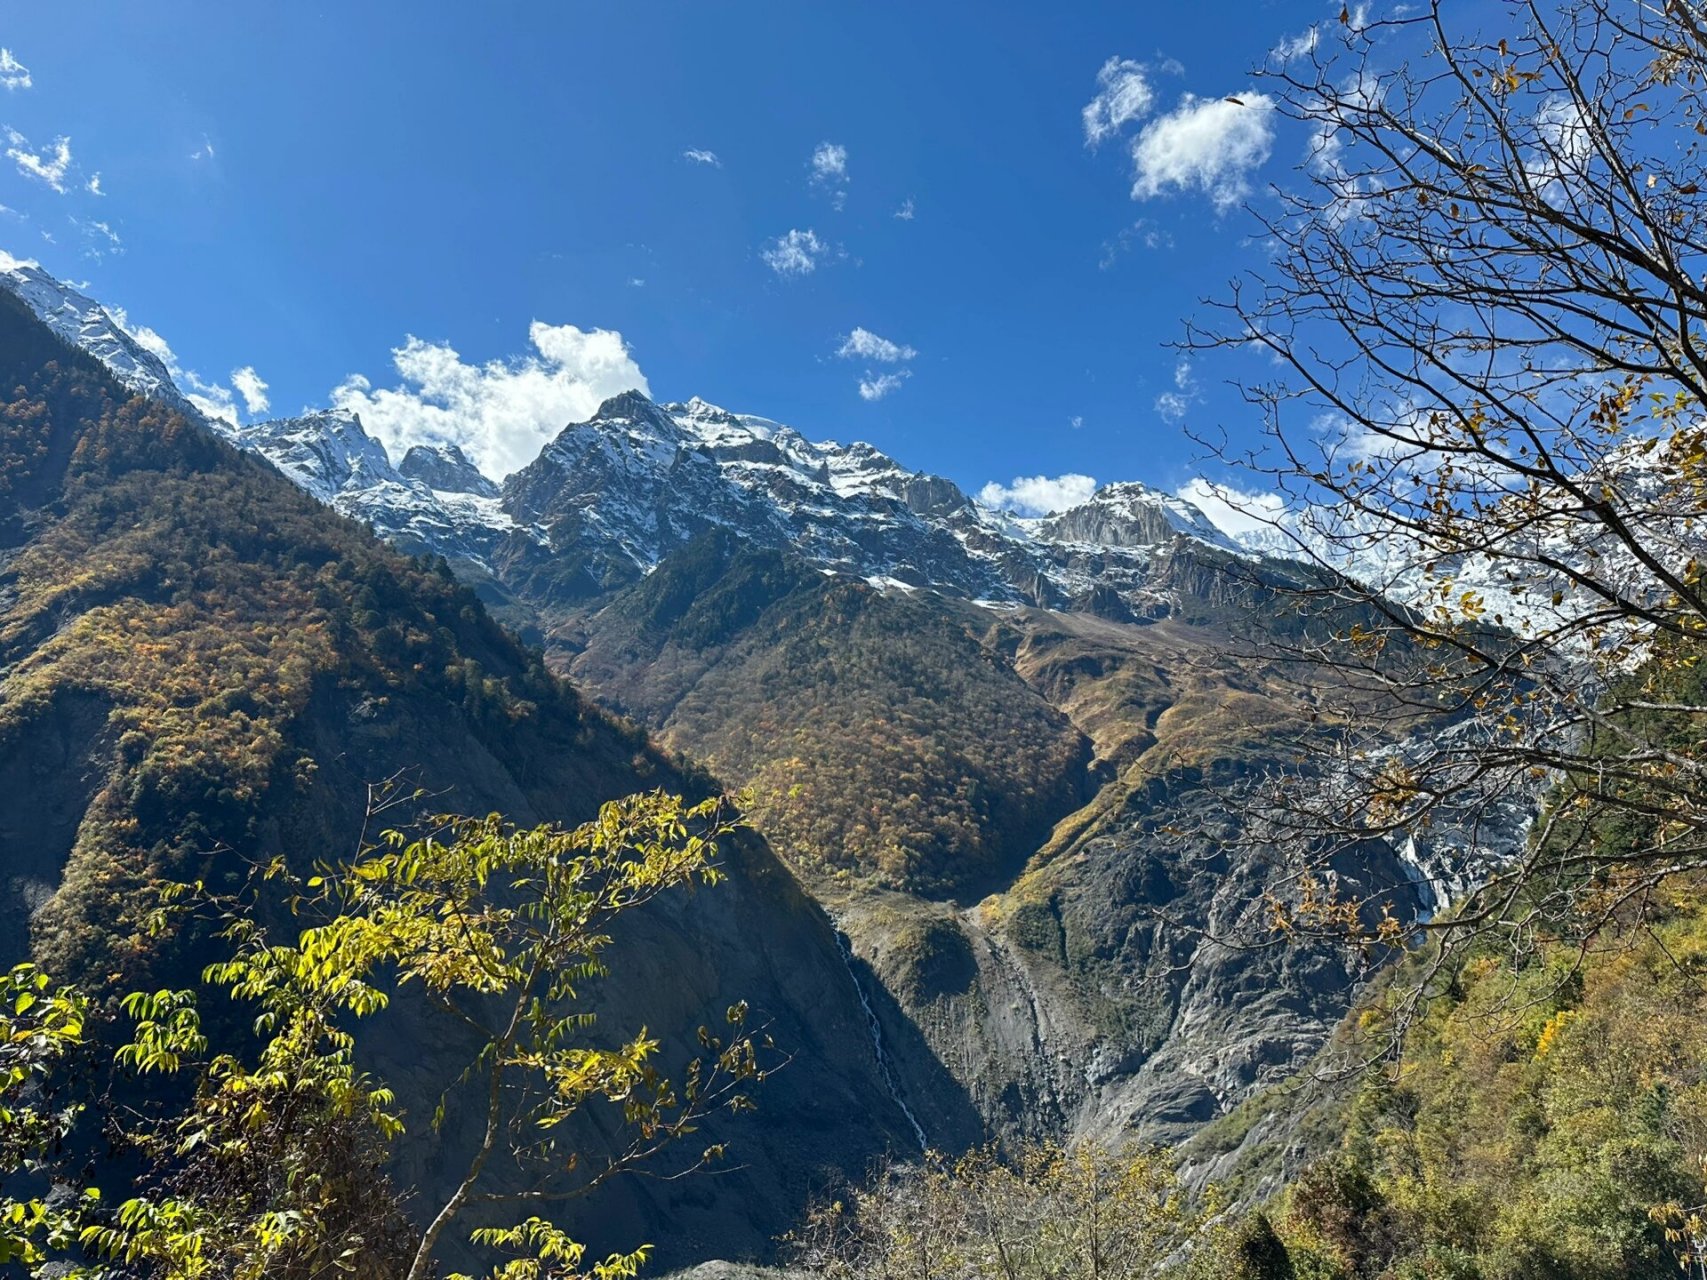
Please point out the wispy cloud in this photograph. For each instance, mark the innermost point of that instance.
(99, 239)
(1142, 234)
(1124, 94)
(1292, 48)
(829, 165)
(863, 344)
(13, 74)
(796, 254)
(1208, 144)
(205, 151)
(252, 388)
(906, 211)
(1039, 495)
(876, 386)
(50, 165)
(213, 398)
(1173, 405)
(696, 155)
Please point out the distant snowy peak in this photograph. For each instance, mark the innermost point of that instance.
(325, 452)
(445, 468)
(638, 480)
(437, 501)
(85, 323)
(608, 498)
(1130, 514)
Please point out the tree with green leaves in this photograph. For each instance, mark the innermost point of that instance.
(41, 1034)
(276, 1167)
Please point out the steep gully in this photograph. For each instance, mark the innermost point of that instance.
(885, 1068)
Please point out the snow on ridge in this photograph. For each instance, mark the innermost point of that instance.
(642, 478)
(79, 320)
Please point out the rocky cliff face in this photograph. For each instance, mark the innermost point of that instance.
(446, 469)
(1101, 981)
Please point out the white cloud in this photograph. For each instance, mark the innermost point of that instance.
(10, 263)
(50, 165)
(863, 344)
(214, 399)
(1123, 95)
(1172, 405)
(93, 186)
(1292, 48)
(1211, 144)
(13, 74)
(1233, 511)
(697, 155)
(876, 386)
(250, 386)
(502, 412)
(830, 171)
(905, 212)
(1077, 421)
(1564, 146)
(99, 239)
(205, 151)
(796, 254)
(1039, 495)
(144, 337)
(211, 398)
(830, 160)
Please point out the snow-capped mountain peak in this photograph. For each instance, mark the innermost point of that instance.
(608, 498)
(325, 452)
(1131, 514)
(81, 321)
(445, 468)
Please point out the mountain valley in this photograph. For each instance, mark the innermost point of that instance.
(994, 750)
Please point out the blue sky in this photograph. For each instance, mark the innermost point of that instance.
(297, 188)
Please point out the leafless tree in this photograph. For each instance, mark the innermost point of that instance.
(1483, 321)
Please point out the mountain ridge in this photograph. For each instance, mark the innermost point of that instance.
(603, 484)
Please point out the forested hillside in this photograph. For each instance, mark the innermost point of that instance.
(204, 668)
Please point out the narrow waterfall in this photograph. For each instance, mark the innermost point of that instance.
(883, 1063)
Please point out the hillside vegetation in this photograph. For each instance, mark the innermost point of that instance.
(881, 738)
(202, 669)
